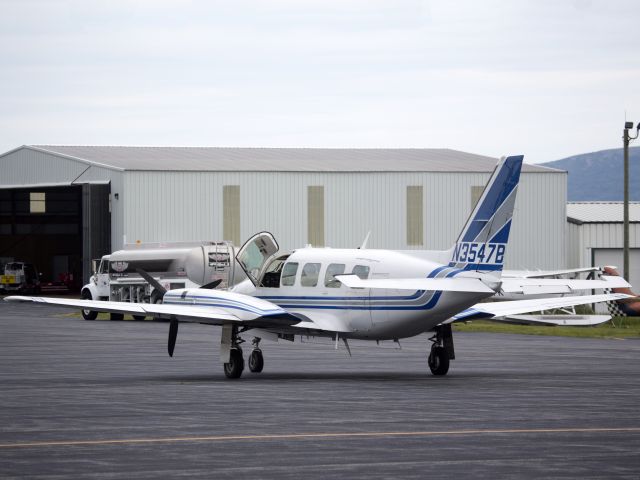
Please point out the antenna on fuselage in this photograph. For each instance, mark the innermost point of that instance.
(365, 241)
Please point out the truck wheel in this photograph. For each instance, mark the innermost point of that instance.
(138, 317)
(116, 316)
(88, 314)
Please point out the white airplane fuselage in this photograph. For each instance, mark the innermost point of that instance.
(367, 313)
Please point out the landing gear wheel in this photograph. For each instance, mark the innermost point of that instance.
(234, 368)
(88, 314)
(256, 361)
(438, 360)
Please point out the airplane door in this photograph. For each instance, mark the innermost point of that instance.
(360, 314)
(378, 297)
(255, 253)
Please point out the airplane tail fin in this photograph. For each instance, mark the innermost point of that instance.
(482, 244)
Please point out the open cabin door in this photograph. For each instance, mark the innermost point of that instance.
(255, 253)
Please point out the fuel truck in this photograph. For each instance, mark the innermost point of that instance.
(173, 265)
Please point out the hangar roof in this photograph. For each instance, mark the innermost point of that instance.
(601, 212)
(280, 159)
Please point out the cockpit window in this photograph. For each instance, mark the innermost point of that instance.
(332, 270)
(289, 274)
(361, 271)
(310, 273)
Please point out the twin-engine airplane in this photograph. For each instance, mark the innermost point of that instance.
(360, 293)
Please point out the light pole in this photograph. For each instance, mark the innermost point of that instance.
(626, 138)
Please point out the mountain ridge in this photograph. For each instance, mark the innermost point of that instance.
(598, 176)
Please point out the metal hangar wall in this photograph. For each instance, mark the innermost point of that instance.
(407, 198)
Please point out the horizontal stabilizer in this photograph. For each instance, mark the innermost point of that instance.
(559, 285)
(546, 273)
(459, 284)
(557, 320)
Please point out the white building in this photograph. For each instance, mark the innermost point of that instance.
(63, 205)
(596, 236)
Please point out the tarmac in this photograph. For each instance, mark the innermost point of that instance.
(101, 399)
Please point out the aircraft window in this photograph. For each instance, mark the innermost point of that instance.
(361, 271)
(271, 277)
(289, 274)
(332, 270)
(310, 273)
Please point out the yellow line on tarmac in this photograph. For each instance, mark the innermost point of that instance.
(303, 436)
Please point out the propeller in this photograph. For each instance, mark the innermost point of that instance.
(173, 323)
(173, 334)
(212, 285)
(151, 281)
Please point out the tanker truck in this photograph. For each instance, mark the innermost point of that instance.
(173, 265)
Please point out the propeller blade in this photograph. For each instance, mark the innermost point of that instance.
(173, 334)
(151, 281)
(212, 285)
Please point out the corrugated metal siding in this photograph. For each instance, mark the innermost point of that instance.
(188, 206)
(25, 167)
(590, 236)
(28, 167)
(573, 246)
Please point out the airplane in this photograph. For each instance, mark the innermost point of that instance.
(345, 294)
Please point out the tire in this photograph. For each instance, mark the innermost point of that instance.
(116, 316)
(138, 317)
(234, 368)
(256, 361)
(438, 361)
(88, 314)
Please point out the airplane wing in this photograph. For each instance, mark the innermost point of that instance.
(534, 285)
(496, 310)
(459, 284)
(254, 312)
(213, 307)
(545, 273)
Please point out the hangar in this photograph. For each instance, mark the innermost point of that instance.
(596, 235)
(60, 206)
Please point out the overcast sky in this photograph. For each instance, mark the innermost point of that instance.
(545, 78)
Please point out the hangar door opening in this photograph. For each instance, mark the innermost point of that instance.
(58, 229)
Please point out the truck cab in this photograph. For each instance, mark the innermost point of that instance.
(19, 277)
(98, 286)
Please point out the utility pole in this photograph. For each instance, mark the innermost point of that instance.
(626, 138)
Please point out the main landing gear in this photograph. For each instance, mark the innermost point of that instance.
(231, 353)
(256, 361)
(441, 351)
